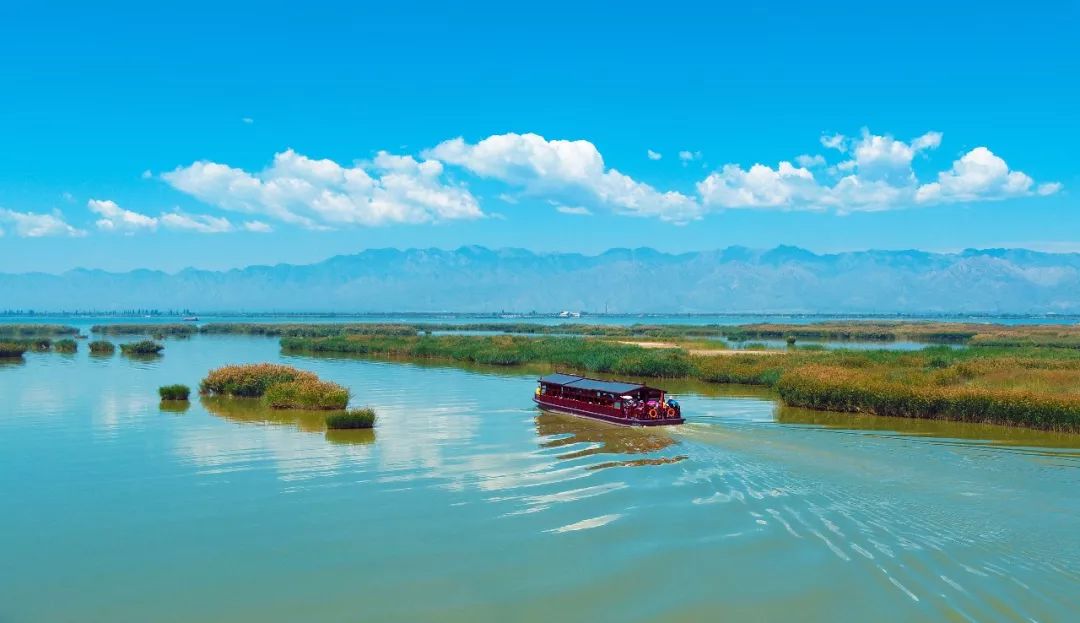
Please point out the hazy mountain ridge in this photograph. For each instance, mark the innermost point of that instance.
(477, 279)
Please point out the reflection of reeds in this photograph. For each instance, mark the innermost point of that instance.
(255, 411)
(175, 406)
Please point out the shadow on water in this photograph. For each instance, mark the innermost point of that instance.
(254, 411)
(602, 438)
(11, 362)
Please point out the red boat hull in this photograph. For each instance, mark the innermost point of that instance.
(564, 406)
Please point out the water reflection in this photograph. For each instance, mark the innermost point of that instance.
(254, 411)
(558, 430)
(174, 406)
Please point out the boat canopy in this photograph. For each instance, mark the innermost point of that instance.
(581, 382)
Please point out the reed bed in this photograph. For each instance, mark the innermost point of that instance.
(280, 386)
(143, 348)
(306, 329)
(101, 347)
(351, 419)
(13, 350)
(174, 392)
(66, 345)
(154, 329)
(1034, 387)
(308, 394)
(30, 330)
(504, 350)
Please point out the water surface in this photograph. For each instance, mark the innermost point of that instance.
(466, 503)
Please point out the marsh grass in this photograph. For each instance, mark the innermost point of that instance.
(250, 380)
(310, 394)
(593, 355)
(1034, 387)
(66, 345)
(152, 329)
(351, 419)
(28, 331)
(102, 347)
(144, 348)
(13, 350)
(174, 392)
(280, 386)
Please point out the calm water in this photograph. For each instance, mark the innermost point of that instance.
(467, 504)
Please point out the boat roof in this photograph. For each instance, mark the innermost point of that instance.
(582, 382)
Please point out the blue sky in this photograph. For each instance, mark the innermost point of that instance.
(218, 136)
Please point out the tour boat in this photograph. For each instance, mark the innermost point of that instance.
(630, 404)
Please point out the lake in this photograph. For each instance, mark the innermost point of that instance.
(466, 503)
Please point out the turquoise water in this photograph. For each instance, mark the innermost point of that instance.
(466, 503)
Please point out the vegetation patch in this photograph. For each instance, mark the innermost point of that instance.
(310, 394)
(591, 355)
(26, 331)
(351, 419)
(66, 345)
(174, 392)
(155, 329)
(280, 386)
(13, 350)
(144, 348)
(102, 347)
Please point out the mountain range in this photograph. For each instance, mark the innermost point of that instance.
(476, 279)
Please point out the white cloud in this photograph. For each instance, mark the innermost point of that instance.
(571, 172)
(575, 210)
(981, 175)
(39, 225)
(199, 223)
(247, 120)
(878, 176)
(689, 156)
(322, 193)
(257, 227)
(835, 141)
(653, 155)
(147, 174)
(115, 218)
(786, 186)
(807, 161)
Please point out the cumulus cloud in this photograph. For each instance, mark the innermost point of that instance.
(877, 175)
(39, 225)
(979, 174)
(322, 193)
(115, 218)
(570, 172)
(653, 155)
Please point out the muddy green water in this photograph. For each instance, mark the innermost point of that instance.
(467, 504)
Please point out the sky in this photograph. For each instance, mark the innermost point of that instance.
(220, 135)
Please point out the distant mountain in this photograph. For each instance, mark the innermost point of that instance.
(476, 279)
